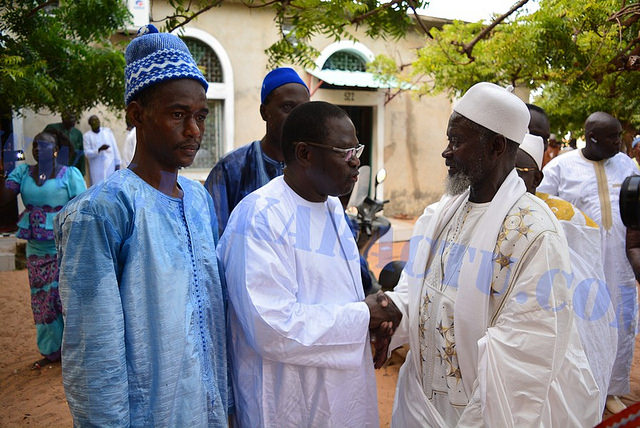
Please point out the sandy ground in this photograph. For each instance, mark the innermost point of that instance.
(36, 397)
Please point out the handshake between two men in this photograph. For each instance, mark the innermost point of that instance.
(384, 318)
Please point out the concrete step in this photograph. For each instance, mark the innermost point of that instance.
(7, 253)
(8, 244)
(7, 261)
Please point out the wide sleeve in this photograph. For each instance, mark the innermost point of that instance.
(75, 182)
(412, 273)
(400, 297)
(89, 147)
(551, 181)
(530, 351)
(262, 282)
(14, 180)
(117, 159)
(94, 370)
(216, 185)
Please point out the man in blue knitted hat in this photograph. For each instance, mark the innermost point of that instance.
(145, 341)
(252, 166)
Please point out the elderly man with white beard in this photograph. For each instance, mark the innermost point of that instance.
(486, 306)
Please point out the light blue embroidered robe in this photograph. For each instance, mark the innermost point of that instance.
(144, 341)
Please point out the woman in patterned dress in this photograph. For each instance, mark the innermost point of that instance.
(45, 188)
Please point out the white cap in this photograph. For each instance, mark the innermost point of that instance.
(497, 109)
(534, 147)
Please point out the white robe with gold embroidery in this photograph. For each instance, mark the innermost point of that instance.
(518, 352)
(594, 187)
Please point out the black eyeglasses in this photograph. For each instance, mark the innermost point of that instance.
(348, 153)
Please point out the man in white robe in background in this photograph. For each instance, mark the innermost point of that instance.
(595, 314)
(299, 326)
(129, 147)
(101, 150)
(590, 179)
(486, 308)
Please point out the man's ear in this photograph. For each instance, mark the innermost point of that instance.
(302, 154)
(134, 113)
(499, 144)
(263, 113)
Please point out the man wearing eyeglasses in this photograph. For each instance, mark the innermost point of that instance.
(299, 317)
(252, 166)
(591, 299)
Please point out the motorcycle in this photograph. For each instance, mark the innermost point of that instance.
(367, 225)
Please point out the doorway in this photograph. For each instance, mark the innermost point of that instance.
(362, 118)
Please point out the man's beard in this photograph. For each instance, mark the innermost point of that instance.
(457, 183)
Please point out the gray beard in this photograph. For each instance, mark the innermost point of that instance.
(457, 184)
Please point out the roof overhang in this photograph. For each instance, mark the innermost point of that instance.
(356, 79)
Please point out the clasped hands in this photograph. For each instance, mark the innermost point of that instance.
(384, 318)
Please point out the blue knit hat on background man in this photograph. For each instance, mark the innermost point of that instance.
(154, 57)
(278, 77)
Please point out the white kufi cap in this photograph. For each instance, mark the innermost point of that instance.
(534, 147)
(495, 108)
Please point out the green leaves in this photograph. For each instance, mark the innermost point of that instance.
(61, 57)
(578, 55)
(300, 20)
(574, 52)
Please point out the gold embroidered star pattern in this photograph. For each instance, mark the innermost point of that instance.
(524, 229)
(502, 260)
(524, 211)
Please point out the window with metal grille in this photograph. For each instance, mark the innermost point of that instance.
(211, 146)
(206, 59)
(344, 60)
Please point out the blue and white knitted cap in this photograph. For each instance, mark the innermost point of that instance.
(154, 57)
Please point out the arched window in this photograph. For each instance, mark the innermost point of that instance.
(206, 59)
(345, 60)
(212, 146)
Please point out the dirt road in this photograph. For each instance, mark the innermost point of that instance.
(36, 397)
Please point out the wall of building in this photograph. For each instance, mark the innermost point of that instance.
(412, 130)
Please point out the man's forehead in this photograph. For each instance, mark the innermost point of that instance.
(341, 132)
(289, 91)
(180, 91)
(607, 126)
(458, 122)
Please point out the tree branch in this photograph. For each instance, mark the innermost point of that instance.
(467, 48)
(633, 9)
(446, 54)
(627, 59)
(358, 19)
(189, 18)
(40, 7)
(417, 16)
(264, 4)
